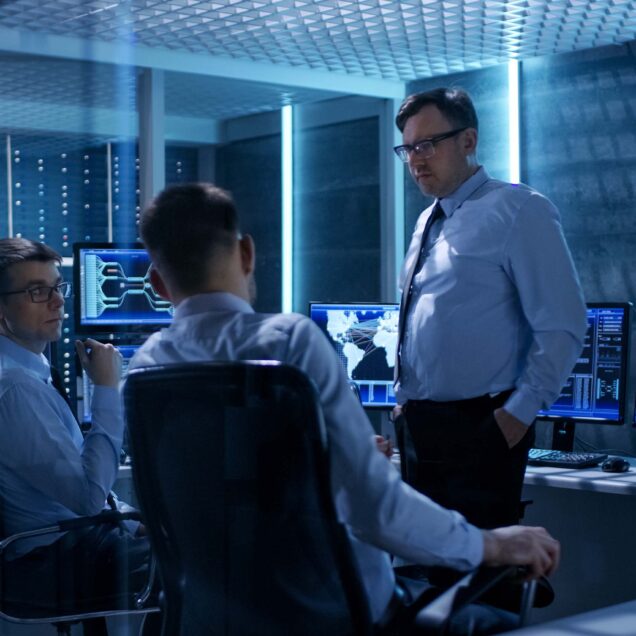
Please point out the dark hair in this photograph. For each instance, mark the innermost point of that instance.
(19, 250)
(454, 103)
(185, 226)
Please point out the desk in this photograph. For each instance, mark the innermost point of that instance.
(618, 620)
(594, 517)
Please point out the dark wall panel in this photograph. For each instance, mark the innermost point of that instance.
(337, 213)
(579, 141)
(251, 171)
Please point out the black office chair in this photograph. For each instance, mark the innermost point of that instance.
(57, 606)
(231, 468)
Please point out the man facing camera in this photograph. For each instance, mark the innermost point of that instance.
(49, 472)
(205, 267)
(492, 316)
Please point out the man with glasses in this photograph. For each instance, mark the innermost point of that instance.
(492, 316)
(49, 472)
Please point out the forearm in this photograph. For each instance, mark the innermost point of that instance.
(550, 360)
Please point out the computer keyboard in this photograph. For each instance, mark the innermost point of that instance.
(564, 459)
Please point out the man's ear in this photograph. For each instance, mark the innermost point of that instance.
(159, 286)
(470, 141)
(248, 253)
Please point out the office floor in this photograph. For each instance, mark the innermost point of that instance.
(119, 626)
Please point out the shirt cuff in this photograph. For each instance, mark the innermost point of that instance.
(106, 397)
(524, 407)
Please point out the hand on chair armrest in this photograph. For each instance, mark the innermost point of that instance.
(532, 547)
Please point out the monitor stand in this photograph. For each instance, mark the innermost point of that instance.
(563, 435)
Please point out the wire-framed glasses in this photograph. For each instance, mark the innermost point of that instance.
(43, 293)
(425, 148)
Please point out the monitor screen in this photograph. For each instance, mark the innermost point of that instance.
(364, 336)
(127, 352)
(113, 291)
(596, 389)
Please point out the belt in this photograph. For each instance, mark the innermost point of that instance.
(476, 401)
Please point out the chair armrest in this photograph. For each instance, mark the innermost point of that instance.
(468, 589)
(106, 516)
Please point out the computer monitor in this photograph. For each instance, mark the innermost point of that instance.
(127, 352)
(596, 390)
(364, 336)
(113, 293)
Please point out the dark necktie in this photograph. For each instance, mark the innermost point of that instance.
(407, 292)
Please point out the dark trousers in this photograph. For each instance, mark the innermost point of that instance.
(87, 570)
(455, 453)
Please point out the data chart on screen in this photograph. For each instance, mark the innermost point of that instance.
(596, 388)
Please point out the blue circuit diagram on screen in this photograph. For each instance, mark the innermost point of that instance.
(116, 289)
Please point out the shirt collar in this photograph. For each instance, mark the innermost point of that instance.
(13, 355)
(213, 301)
(455, 199)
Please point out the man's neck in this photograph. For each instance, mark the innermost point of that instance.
(33, 346)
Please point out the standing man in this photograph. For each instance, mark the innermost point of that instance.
(492, 316)
(48, 471)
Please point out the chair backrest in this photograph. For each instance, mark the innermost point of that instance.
(231, 468)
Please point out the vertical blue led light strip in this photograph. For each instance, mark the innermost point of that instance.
(288, 208)
(513, 122)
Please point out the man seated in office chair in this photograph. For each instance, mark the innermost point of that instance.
(48, 471)
(205, 267)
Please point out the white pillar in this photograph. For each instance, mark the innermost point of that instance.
(152, 152)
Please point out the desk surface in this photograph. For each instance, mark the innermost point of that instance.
(616, 620)
(589, 479)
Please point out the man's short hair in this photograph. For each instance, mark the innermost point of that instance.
(20, 250)
(186, 226)
(454, 103)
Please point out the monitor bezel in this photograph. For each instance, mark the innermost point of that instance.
(622, 405)
(108, 328)
(375, 407)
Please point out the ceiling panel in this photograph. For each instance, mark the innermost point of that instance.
(393, 40)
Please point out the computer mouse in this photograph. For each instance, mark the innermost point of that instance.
(615, 465)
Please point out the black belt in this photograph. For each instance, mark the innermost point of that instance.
(481, 400)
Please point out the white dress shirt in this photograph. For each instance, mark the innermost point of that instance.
(384, 515)
(48, 471)
(496, 304)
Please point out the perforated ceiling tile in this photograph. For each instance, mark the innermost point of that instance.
(409, 38)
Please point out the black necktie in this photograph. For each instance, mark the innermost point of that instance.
(436, 213)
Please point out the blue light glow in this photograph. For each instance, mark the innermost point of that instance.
(288, 208)
(513, 121)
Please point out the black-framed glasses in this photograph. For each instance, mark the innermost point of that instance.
(43, 293)
(425, 148)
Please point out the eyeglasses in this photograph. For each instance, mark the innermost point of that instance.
(43, 294)
(425, 148)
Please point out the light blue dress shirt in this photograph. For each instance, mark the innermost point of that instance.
(48, 471)
(384, 515)
(496, 303)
